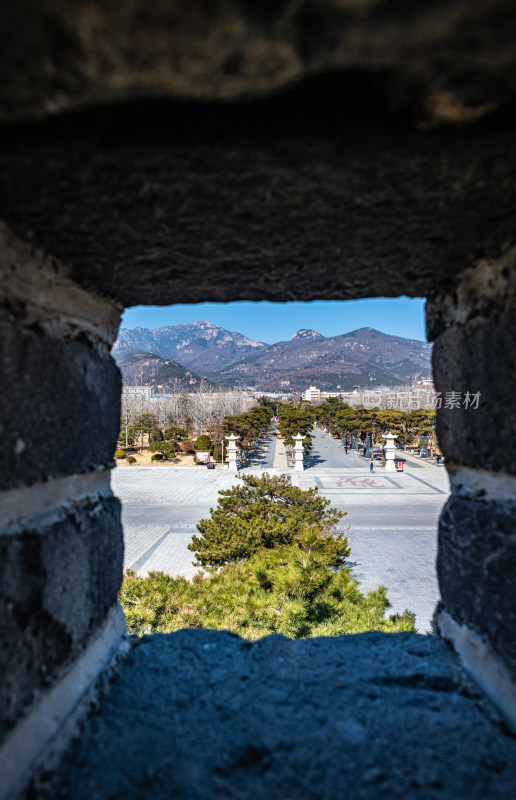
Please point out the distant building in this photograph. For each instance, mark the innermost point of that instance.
(315, 395)
(137, 391)
(423, 383)
(312, 394)
(271, 395)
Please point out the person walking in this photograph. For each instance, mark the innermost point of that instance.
(346, 448)
(371, 466)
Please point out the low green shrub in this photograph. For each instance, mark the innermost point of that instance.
(164, 449)
(203, 443)
(157, 457)
(119, 453)
(131, 460)
(293, 589)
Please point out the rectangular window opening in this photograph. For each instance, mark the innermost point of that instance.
(338, 397)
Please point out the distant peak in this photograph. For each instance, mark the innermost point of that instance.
(306, 333)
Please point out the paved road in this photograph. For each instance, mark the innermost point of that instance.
(327, 453)
(330, 453)
(264, 454)
(391, 518)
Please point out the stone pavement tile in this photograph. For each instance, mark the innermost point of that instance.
(141, 538)
(416, 461)
(402, 560)
(172, 556)
(280, 455)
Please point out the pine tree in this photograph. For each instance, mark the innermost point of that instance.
(265, 511)
(292, 589)
(277, 566)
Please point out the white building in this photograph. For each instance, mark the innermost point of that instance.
(342, 393)
(423, 383)
(137, 391)
(312, 394)
(421, 395)
(315, 395)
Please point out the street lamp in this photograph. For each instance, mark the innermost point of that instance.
(232, 439)
(389, 452)
(298, 453)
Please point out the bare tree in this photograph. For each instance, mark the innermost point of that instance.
(201, 406)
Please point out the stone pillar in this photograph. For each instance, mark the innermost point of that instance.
(299, 453)
(389, 452)
(232, 452)
(474, 330)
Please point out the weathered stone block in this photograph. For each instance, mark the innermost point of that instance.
(272, 200)
(59, 406)
(63, 55)
(476, 565)
(204, 714)
(56, 587)
(479, 357)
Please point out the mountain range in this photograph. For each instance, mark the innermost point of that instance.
(200, 346)
(149, 368)
(365, 357)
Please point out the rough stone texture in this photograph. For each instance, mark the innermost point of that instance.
(346, 185)
(482, 291)
(476, 565)
(203, 714)
(57, 584)
(315, 181)
(294, 197)
(59, 406)
(477, 356)
(459, 56)
(36, 291)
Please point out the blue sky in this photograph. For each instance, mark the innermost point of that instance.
(274, 322)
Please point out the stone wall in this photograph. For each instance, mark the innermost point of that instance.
(452, 61)
(61, 538)
(474, 329)
(388, 168)
(297, 197)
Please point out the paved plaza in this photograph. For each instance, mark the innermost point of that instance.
(391, 518)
